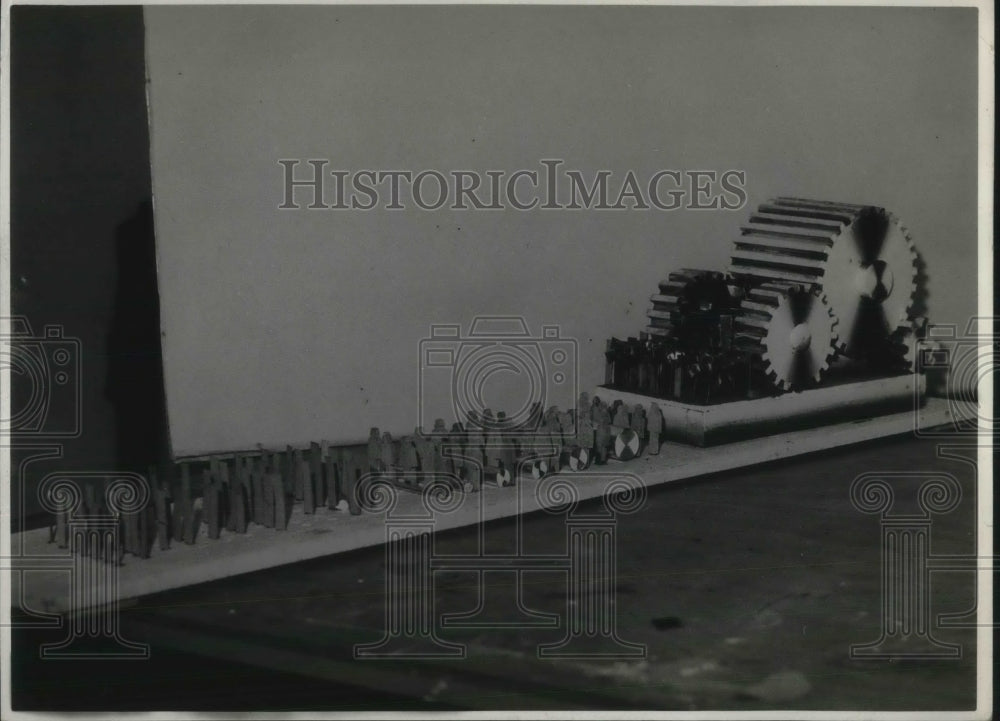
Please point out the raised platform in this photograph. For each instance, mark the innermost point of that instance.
(44, 588)
(705, 425)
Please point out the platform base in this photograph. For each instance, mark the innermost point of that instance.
(42, 586)
(706, 425)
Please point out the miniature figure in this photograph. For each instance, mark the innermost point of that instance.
(210, 502)
(620, 418)
(507, 448)
(585, 431)
(316, 455)
(602, 438)
(305, 483)
(387, 455)
(190, 523)
(374, 450)
(352, 475)
(146, 519)
(278, 501)
(408, 461)
(596, 410)
(493, 449)
(456, 444)
(333, 481)
(221, 475)
(474, 451)
(655, 428)
(238, 506)
(161, 499)
(639, 422)
(257, 490)
(554, 445)
(566, 425)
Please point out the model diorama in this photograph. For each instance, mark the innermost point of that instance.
(815, 292)
(817, 295)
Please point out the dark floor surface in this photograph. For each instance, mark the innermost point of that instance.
(747, 588)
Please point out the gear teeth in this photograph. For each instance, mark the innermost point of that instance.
(681, 289)
(793, 230)
(765, 324)
(793, 211)
(831, 325)
(811, 243)
(753, 305)
(772, 216)
(831, 205)
(788, 239)
(771, 242)
(898, 352)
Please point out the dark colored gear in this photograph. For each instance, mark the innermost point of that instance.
(688, 307)
(898, 352)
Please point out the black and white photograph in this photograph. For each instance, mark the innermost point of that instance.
(497, 360)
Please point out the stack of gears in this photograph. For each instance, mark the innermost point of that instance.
(809, 282)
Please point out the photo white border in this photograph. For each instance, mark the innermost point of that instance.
(984, 640)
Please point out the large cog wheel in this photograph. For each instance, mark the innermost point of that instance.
(792, 330)
(860, 256)
(871, 281)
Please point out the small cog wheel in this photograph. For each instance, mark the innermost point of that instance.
(791, 329)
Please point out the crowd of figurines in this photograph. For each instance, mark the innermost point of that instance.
(263, 487)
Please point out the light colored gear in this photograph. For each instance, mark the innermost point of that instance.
(681, 295)
(859, 256)
(791, 329)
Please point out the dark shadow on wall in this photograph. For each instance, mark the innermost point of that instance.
(82, 257)
(135, 362)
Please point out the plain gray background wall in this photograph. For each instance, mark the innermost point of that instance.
(289, 326)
